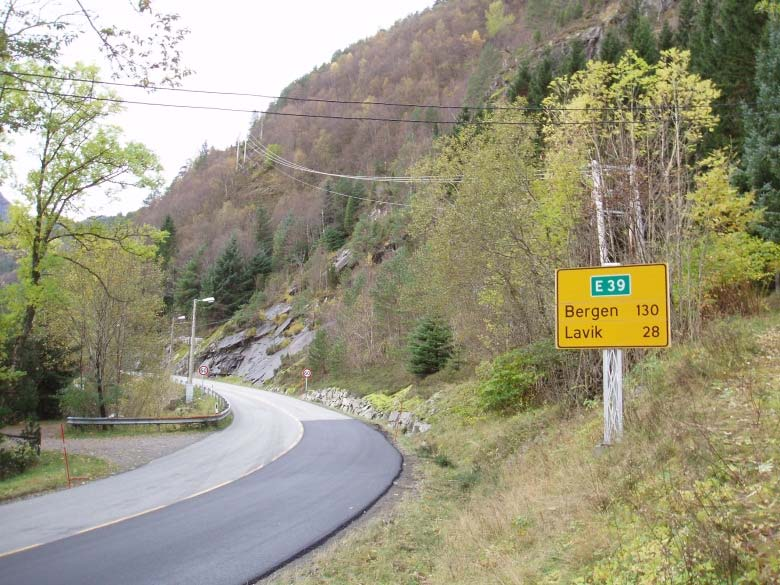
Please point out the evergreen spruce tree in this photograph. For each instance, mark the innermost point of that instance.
(540, 81)
(738, 34)
(723, 42)
(520, 83)
(701, 39)
(612, 48)
(260, 267)
(761, 157)
(350, 215)
(261, 264)
(229, 281)
(264, 234)
(643, 41)
(575, 59)
(685, 22)
(334, 205)
(430, 347)
(279, 251)
(319, 352)
(166, 250)
(666, 39)
(187, 285)
(333, 239)
(633, 18)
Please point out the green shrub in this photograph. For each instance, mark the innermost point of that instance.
(380, 402)
(278, 346)
(333, 238)
(442, 460)
(78, 400)
(467, 479)
(511, 380)
(251, 313)
(14, 459)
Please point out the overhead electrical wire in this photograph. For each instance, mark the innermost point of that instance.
(263, 151)
(338, 193)
(272, 156)
(537, 109)
(614, 122)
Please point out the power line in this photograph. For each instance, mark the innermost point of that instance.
(272, 156)
(332, 192)
(18, 74)
(262, 150)
(614, 122)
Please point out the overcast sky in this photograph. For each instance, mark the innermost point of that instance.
(234, 45)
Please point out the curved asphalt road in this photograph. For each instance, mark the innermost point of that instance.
(248, 522)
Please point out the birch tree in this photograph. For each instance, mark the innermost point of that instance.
(78, 155)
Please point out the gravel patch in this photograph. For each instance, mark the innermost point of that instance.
(124, 452)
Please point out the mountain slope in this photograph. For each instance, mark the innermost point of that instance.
(444, 55)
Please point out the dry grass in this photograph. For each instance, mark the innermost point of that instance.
(690, 496)
(698, 431)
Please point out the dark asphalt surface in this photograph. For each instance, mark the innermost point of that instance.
(234, 534)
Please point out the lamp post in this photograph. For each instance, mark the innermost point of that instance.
(191, 360)
(170, 347)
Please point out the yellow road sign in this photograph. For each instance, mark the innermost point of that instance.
(612, 306)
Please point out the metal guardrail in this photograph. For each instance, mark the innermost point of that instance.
(222, 403)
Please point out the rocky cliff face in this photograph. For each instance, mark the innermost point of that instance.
(255, 354)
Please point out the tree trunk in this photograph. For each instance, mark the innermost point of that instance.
(21, 341)
(101, 394)
(29, 312)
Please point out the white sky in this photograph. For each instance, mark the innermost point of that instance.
(235, 45)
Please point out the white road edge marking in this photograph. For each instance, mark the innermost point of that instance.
(195, 495)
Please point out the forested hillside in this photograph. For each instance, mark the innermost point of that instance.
(488, 98)
(449, 56)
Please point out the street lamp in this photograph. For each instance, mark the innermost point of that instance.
(191, 360)
(170, 347)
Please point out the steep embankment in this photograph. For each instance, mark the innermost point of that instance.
(690, 496)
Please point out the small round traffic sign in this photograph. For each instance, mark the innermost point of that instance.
(203, 370)
(307, 373)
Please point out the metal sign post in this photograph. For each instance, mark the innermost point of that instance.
(306, 376)
(611, 359)
(612, 307)
(204, 372)
(612, 363)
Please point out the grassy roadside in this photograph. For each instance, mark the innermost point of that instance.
(692, 494)
(49, 474)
